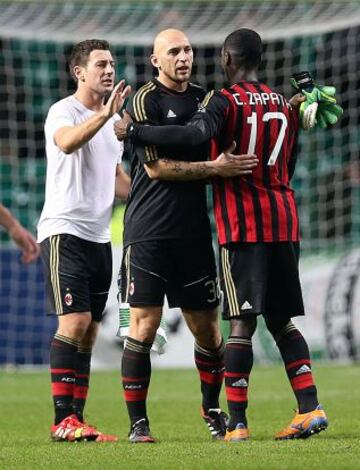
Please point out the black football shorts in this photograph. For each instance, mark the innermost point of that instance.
(78, 274)
(261, 278)
(183, 270)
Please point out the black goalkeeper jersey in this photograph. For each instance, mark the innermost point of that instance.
(158, 209)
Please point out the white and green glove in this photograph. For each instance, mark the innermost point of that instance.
(320, 108)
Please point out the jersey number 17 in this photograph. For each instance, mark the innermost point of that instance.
(252, 120)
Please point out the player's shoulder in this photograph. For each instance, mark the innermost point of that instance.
(214, 97)
(144, 101)
(275, 96)
(263, 87)
(146, 90)
(230, 90)
(61, 108)
(256, 88)
(196, 86)
(146, 93)
(64, 103)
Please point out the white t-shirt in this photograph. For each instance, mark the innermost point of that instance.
(80, 186)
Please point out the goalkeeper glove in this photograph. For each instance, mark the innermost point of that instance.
(320, 108)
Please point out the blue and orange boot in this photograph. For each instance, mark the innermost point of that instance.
(305, 425)
(238, 434)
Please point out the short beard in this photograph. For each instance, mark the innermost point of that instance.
(175, 79)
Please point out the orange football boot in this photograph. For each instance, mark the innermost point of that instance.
(305, 425)
(240, 433)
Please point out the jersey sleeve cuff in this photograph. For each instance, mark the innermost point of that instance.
(131, 130)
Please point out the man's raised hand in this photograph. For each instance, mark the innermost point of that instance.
(117, 98)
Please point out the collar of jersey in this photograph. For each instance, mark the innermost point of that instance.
(169, 90)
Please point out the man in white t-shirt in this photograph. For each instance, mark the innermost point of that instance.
(83, 175)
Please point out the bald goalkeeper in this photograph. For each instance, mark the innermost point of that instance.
(167, 237)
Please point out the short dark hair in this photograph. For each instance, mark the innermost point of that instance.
(81, 51)
(245, 46)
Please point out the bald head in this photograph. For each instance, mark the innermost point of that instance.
(167, 37)
(173, 57)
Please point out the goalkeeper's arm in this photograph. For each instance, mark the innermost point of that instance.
(194, 133)
(226, 165)
(205, 124)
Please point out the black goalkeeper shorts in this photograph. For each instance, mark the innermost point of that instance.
(183, 270)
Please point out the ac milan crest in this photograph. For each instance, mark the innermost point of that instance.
(68, 299)
(131, 288)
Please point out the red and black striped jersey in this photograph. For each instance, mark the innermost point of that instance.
(260, 207)
(256, 208)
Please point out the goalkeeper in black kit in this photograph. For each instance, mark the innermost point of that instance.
(167, 238)
(257, 221)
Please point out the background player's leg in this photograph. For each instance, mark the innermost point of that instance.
(295, 354)
(238, 364)
(284, 300)
(208, 353)
(136, 364)
(82, 369)
(209, 360)
(71, 330)
(82, 378)
(310, 418)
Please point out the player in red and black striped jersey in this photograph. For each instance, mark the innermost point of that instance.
(261, 207)
(257, 224)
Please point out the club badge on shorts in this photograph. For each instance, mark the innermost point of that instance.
(68, 299)
(131, 288)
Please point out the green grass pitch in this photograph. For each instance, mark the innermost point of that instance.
(185, 443)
